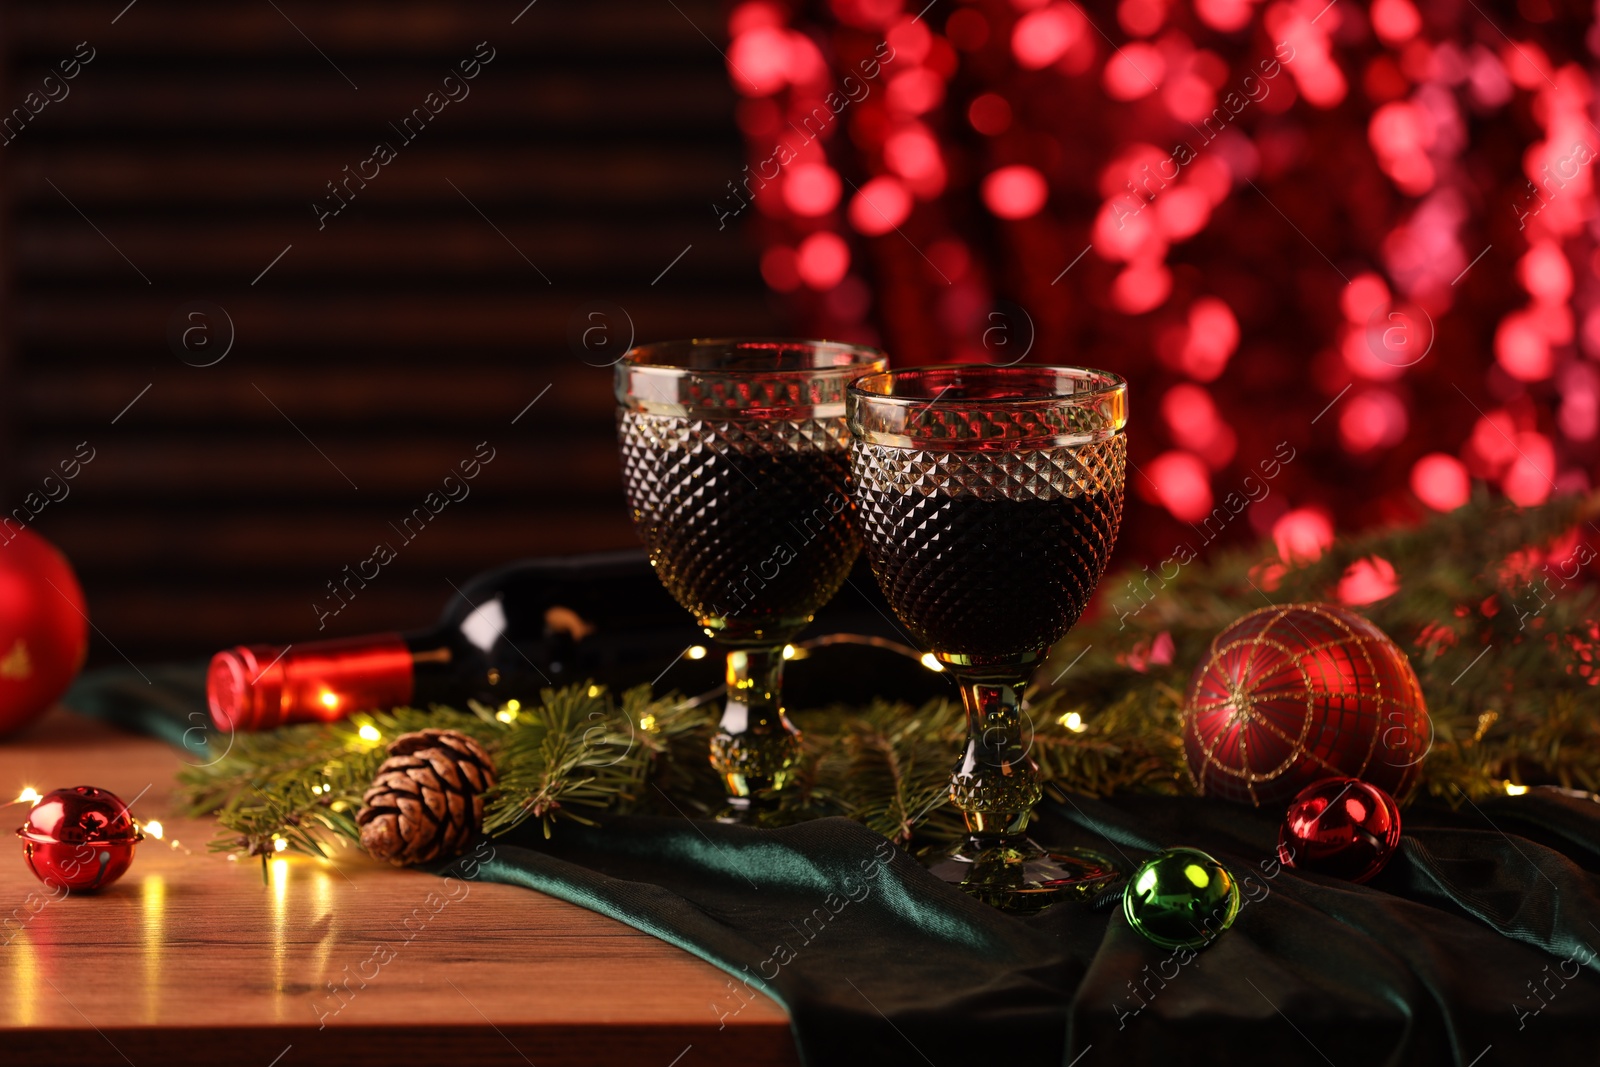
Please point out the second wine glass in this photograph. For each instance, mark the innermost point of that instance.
(989, 499)
(736, 459)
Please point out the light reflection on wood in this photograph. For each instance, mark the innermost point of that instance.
(189, 940)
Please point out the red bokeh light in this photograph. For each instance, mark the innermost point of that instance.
(1228, 16)
(1366, 581)
(1526, 64)
(1395, 21)
(1212, 336)
(811, 189)
(823, 260)
(1544, 272)
(1372, 420)
(1181, 485)
(1365, 296)
(911, 40)
(1522, 349)
(1141, 18)
(1579, 415)
(1195, 424)
(881, 205)
(1212, 176)
(990, 114)
(967, 30)
(1041, 37)
(1015, 192)
(1493, 444)
(1183, 212)
(1441, 481)
(915, 92)
(1321, 81)
(1302, 535)
(1134, 71)
(1122, 232)
(913, 154)
(1401, 134)
(1188, 96)
(1531, 478)
(1142, 287)
(758, 61)
(755, 15)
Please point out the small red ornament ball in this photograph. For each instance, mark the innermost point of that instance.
(1341, 827)
(1292, 694)
(80, 838)
(44, 627)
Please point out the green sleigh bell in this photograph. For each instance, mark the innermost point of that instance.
(1181, 898)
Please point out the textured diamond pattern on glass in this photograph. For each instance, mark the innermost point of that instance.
(1017, 408)
(990, 554)
(752, 377)
(748, 521)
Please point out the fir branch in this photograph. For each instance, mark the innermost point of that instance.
(303, 784)
(1506, 647)
(1526, 712)
(888, 766)
(577, 750)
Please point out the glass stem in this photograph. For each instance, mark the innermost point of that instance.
(996, 782)
(756, 746)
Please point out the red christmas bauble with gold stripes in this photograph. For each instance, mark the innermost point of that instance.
(1291, 694)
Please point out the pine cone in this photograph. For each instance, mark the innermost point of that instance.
(427, 799)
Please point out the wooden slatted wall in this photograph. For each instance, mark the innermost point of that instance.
(370, 355)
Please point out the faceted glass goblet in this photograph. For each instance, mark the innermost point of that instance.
(736, 459)
(989, 500)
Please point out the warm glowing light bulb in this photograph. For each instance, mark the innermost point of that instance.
(1515, 790)
(505, 715)
(369, 732)
(154, 829)
(594, 691)
(29, 795)
(514, 706)
(330, 700)
(931, 663)
(1074, 722)
(279, 844)
(697, 651)
(788, 652)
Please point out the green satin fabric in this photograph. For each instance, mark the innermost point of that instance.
(1476, 946)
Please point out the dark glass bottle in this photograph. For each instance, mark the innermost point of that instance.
(511, 632)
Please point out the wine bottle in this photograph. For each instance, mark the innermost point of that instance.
(514, 631)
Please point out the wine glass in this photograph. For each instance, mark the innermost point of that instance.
(736, 459)
(989, 499)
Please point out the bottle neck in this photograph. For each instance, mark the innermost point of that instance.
(262, 687)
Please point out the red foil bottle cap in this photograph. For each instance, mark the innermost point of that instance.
(263, 687)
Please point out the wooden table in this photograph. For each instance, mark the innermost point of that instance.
(192, 959)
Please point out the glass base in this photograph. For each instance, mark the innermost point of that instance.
(1023, 877)
(761, 812)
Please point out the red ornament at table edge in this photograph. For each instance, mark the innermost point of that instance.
(80, 838)
(1341, 827)
(44, 627)
(1292, 694)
